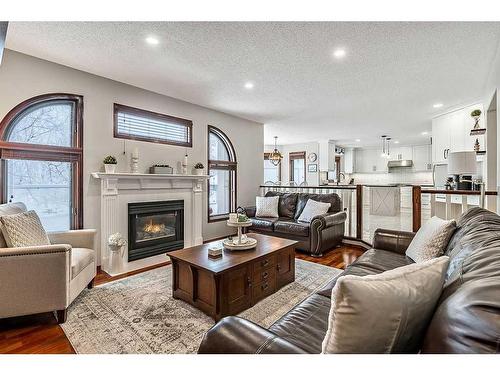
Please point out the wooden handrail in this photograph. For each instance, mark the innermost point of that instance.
(325, 187)
(456, 192)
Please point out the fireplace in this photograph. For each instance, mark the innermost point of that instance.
(155, 228)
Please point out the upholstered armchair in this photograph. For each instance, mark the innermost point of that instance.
(46, 278)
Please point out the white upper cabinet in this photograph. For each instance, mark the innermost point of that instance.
(348, 160)
(422, 158)
(451, 132)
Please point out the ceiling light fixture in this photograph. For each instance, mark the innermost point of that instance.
(275, 156)
(425, 133)
(249, 85)
(396, 142)
(152, 40)
(358, 140)
(383, 146)
(339, 53)
(438, 105)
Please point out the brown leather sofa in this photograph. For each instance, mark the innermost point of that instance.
(324, 232)
(466, 320)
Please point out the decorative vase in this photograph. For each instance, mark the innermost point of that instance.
(109, 168)
(477, 146)
(476, 119)
(115, 255)
(198, 171)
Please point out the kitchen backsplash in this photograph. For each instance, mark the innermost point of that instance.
(399, 177)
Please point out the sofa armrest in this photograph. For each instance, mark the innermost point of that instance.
(392, 240)
(76, 238)
(34, 279)
(233, 335)
(328, 220)
(250, 211)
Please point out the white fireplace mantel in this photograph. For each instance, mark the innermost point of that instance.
(119, 189)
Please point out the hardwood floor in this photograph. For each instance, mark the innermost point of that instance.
(40, 333)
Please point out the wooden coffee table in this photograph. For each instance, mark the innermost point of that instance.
(237, 280)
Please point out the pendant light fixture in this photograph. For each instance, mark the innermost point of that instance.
(275, 156)
(388, 153)
(383, 146)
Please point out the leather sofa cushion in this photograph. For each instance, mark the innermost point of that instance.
(353, 269)
(382, 260)
(263, 223)
(287, 203)
(333, 199)
(292, 227)
(306, 324)
(80, 258)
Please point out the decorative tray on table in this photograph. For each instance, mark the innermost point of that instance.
(241, 242)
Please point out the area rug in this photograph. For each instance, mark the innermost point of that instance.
(138, 314)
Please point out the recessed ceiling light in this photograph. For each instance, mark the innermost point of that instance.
(425, 133)
(152, 40)
(396, 142)
(438, 105)
(339, 53)
(249, 85)
(358, 140)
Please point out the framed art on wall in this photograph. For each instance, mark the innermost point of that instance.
(312, 167)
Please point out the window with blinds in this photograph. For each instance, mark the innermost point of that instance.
(142, 125)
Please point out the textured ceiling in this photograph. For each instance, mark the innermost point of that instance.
(386, 84)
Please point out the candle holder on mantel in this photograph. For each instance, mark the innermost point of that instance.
(134, 164)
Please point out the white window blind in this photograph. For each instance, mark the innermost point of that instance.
(152, 127)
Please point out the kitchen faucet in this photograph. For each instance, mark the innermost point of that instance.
(341, 179)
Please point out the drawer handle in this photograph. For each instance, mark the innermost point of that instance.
(278, 267)
(265, 262)
(265, 275)
(249, 282)
(264, 287)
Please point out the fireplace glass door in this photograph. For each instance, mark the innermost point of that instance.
(155, 228)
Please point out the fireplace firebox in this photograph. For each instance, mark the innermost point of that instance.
(155, 228)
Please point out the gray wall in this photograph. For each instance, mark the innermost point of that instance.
(23, 76)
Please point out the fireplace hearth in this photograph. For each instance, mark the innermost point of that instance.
(155, 228)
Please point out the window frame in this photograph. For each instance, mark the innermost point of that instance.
(152, 115)
(32, 151)
(231, 166)
(296, 156)
(266, 157)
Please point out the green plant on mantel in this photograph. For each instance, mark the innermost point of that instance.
(476, 113)
(110, 160)
(198, 166)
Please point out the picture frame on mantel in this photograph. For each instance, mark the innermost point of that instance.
(312, 168)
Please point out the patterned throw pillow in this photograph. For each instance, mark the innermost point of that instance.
(313, 208)
(431, 239)
(24, 229)
(266, 206)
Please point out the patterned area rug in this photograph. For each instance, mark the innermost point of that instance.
(138, 314)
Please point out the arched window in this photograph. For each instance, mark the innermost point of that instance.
(222, 171)
(41, 158)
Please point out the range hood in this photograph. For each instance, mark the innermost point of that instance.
(400, 164)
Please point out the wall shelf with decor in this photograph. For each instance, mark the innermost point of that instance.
(480, 131)
(483, 152)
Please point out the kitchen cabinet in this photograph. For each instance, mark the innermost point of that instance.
(422, 158)
(401, 153)
(451, 133)
(348, 160)
(369, 160)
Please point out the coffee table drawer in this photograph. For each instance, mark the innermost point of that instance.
(264, 263)
(264, 289)
(262, 275)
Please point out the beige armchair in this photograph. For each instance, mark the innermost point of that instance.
(40, 279)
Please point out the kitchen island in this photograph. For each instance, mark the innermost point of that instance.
(385, 200)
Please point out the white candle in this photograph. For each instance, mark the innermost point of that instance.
(135, 153)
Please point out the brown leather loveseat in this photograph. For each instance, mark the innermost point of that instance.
(466, 319)
(324, 232)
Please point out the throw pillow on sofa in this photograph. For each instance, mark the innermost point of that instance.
(384, 313)
(266, 206)
(431, 239)
(313, 208)
(24, 229)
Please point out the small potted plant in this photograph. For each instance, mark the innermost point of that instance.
(476, 114)
(110, 164)
(198, 169)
